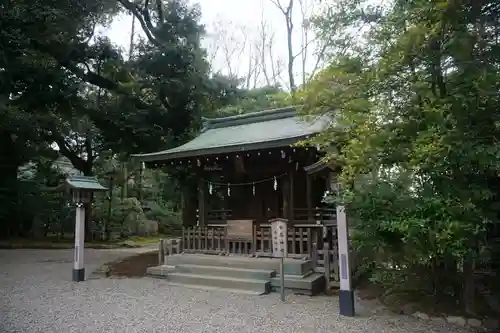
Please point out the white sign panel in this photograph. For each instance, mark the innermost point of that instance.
(279, 231)
(343, 246)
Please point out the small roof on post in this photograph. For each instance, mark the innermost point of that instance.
(257, 130)
(84, 183)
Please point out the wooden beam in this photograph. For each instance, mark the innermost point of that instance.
(292, 196)
(319, 166)
(328, 180)
(285, 191)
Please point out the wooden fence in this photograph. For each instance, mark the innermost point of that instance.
(214, 239)
(315, 242)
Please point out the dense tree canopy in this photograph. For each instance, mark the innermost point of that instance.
(63, 85)
(416, 128)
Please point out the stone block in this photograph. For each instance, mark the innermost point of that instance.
(309, 285)
(438, 321)
(456, 320)
(259, 286)
(473, 322)
(492, 324)
(421, 315)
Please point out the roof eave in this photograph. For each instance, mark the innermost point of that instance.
(167, 155)
(319, 166)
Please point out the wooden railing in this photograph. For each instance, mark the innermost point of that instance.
(300, 216)
(300, 239)
(315, 242)
(213, 239)
(327, 263)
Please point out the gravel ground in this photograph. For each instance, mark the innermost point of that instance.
(37, 295)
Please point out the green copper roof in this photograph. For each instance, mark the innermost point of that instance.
(84, 183)
(257, 130)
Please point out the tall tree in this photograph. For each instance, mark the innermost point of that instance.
(287, 11)
(62, 83)
(416, 131)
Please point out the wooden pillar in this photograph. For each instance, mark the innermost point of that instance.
(285, 191)
(184, 204)
(201, 202)
(189, 205)
(291, 201)
(328, 180)
(309, 199)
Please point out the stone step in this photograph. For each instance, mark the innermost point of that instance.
(160, 271)
(292, 266)
(243, 273)
(258, 286)
(311, 284)
(208, 288)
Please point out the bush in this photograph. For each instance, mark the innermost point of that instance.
(169, 221)
(126, 216)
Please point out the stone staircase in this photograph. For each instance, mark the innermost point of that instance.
(241, 274)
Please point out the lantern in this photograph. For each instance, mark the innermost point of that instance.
(81, 189)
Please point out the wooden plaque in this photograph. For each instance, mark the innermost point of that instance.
(279, 230)
(241, 230)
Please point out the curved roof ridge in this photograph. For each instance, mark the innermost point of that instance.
(257, 130)
(251, 117)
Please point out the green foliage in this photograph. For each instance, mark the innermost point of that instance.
(129, 214)
(124, 219)
(63, 83)
(258, 99)
(169, 220)
(415, 130)
(40, 208)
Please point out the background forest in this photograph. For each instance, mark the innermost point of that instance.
(415, 86)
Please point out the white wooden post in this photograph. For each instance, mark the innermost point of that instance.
(78, 269)
(346, 296)
(81, 189)
(279, 230)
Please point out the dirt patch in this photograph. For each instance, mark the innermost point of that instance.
(134, 266)
(411, 301)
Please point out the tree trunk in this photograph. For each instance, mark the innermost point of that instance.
(469, 286)
(9, 196)
(132, 34)
(125, 181)
(291, 78)
(107, 227)
(89, 225)
(289, 37)
(141, 176)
